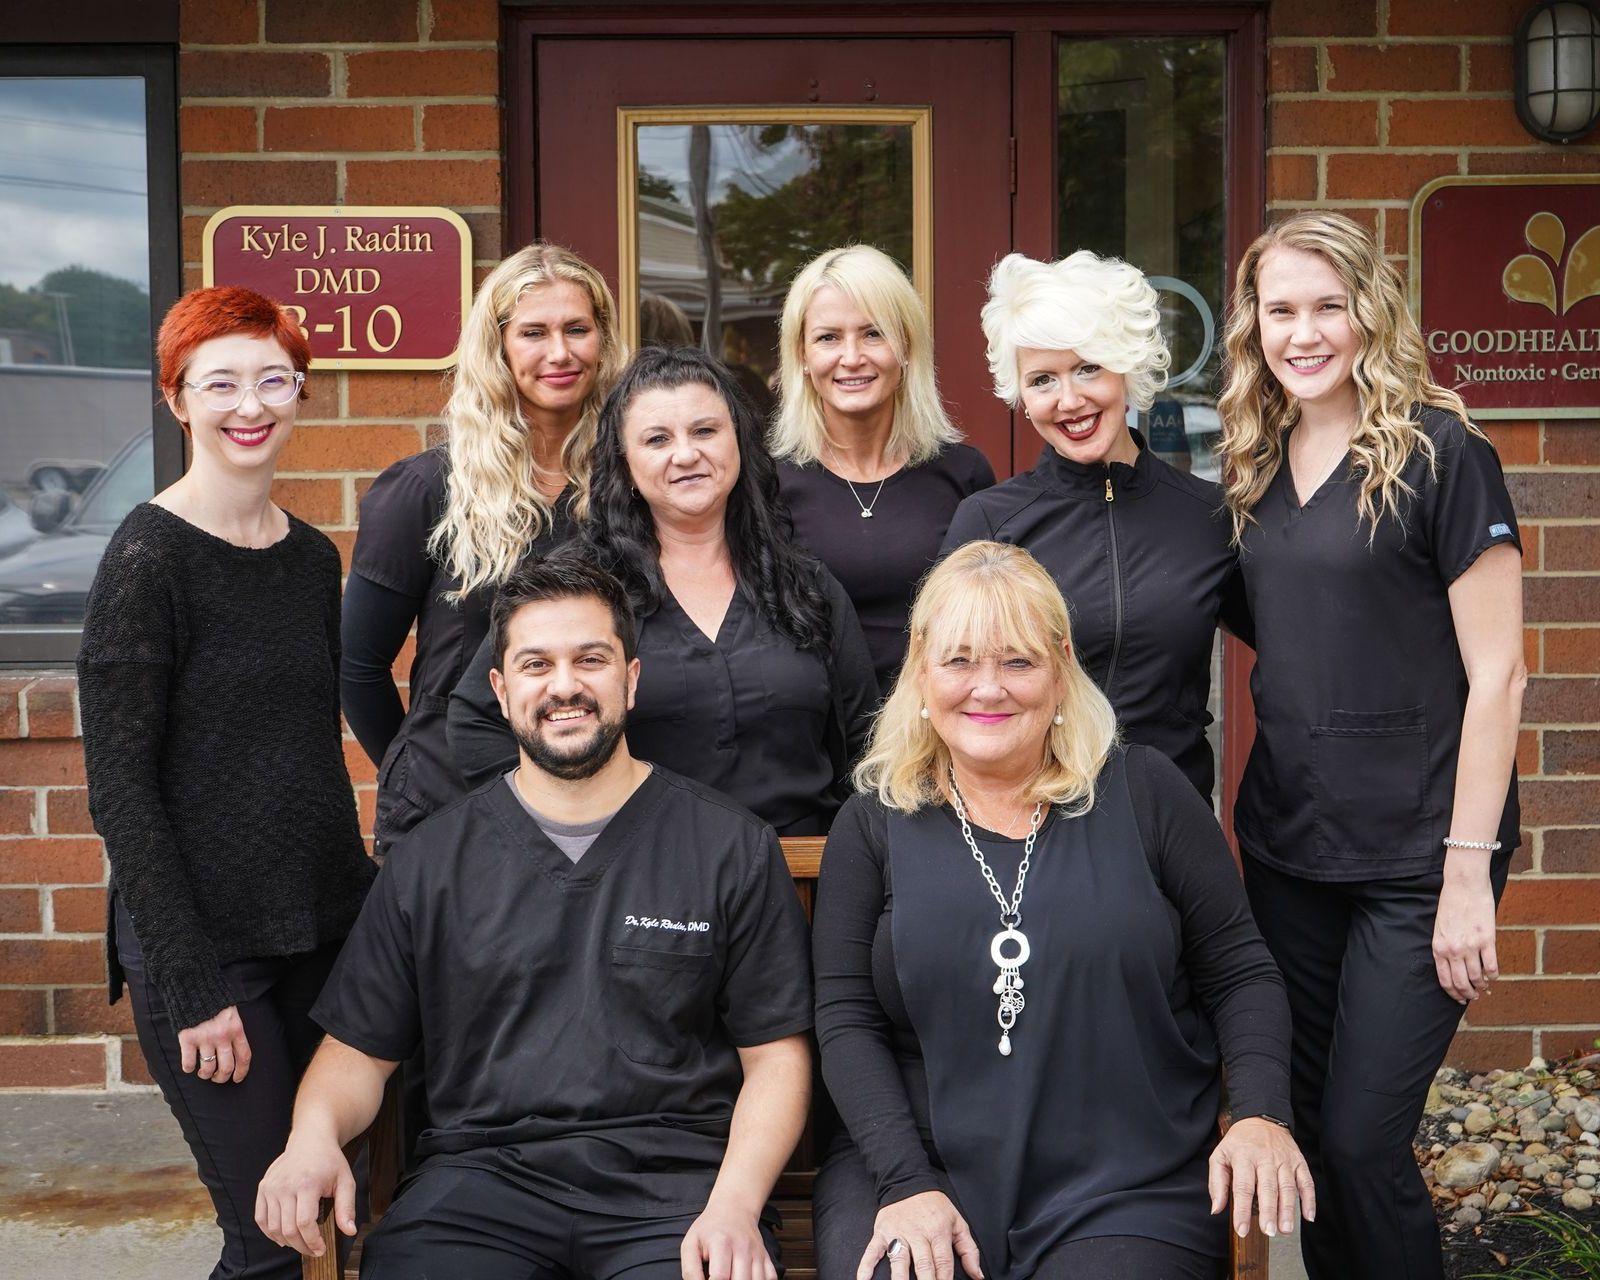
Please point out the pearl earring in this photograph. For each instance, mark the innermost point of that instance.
(923, 713)
(1059, 719)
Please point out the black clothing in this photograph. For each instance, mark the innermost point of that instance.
(479, 1224)
(775, 727)
(1144, 960)
(880, 561)
(1143, 555)
(208, 679)
(1371, 1025)
(1358, 685)
(580, 1021)
(398, 515)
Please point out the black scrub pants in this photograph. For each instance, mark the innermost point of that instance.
(1371, 1026)
(236, 1130)
(454, 1221)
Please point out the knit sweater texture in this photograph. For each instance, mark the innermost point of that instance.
(208, 679)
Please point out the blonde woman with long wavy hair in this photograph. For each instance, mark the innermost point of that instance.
(441, 530)
(1014, 899)
(869, 463)
(1378, 810)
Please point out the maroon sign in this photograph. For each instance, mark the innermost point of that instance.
(372, 288)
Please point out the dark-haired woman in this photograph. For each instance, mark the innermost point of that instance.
(755, 678)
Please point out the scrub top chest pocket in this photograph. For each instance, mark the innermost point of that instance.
(661, 1003)
(1370, 784)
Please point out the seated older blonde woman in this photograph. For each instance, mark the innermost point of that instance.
(1033, 959)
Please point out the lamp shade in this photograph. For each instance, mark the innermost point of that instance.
(1557, 58)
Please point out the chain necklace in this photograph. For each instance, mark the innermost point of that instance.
(1008, 986)
(866, 507)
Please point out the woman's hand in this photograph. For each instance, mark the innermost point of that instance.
(1463, 931)
(932, 1235)
(217, 1050)
(1263, 1162)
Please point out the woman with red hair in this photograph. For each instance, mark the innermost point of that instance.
(209, 683)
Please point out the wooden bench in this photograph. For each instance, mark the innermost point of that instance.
(791, 1197)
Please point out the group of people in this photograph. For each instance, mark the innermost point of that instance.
(654, 631)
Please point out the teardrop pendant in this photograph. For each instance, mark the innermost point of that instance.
(1005, 1044)
(866, 515)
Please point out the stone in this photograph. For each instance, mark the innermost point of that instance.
(1467, 1217)
(1466, 1165)
(1587, 1114)
(1474, 1201)
(1479, 1119)
(1535, 1172)
(1555, 1122)
(1586, 1181)
(1459, 1113)
(1578, 1199)
(1537, 1149)
(1500, 1203)
(1454, 1130)
(1538, 1065)
(1589, 1166)
(1508, 1187)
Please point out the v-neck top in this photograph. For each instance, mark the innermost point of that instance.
(1359, 685)
(581, 1022)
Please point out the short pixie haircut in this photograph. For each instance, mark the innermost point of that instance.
(1101, 308)
(215, 313)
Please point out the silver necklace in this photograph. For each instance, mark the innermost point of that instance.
(866, 507)
(1008, 986)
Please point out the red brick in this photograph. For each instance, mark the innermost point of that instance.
(1530, 650)
(51, 861)
(466, 20)
(202, 129)
(352, 128)
(1323, 18)
(52, 1066)
(1489, 68)
(355, 760)
(1560, 700)
(67, 812)
(487, 236)
(43, 762)
(447, 182)
(1532, 540)
(50, 710)
(1476, 1050)
(1454, 122)
(1566, 1042)
(1571, 850)
(22, 1012)
(1572, 650)
(1515, 949)
(220, 22)
(314, 501)
(1550, 160)
(1554, 494)
(1396, 231)
(134, 1070)
(1522, 1001)
(352, 448)
(1572, 951)
(1411, 68)
(345, 540)
(1383, 175)
(1576, 443)
(460, 127)
(1560, 599)
(1559, 804)
(79, 910)
(1454, 17)
(346, 22)
(1571, 751)
(452, 73)
(225, 182)
(1546, 899)
(1292, 69)
(10, 707)
(1517, 443)
(367, 808)
(1522, 856)
(1318, 122)
(252, 74)
(1568, 547)
(396, 395)
(1527, 752)
(85, 1011)
(1291, 177)
(20, 912)
(16, 811)
(51, 962)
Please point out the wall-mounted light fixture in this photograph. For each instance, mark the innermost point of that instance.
(1557, 59)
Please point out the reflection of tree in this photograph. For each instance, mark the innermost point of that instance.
(653, 184)
(109, 317)
(856, 188)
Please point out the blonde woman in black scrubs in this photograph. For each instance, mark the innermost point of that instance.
(1378, 811)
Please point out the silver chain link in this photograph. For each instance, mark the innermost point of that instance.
(1010, 916)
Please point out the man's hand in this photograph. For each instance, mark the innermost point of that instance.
(932, 1236)
(290, 1196)
(725, 1243)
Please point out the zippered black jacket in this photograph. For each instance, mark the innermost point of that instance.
(1142, 554)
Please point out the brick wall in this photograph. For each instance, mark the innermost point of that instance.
(1369, 100)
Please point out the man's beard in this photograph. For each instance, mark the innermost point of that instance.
(572, 765)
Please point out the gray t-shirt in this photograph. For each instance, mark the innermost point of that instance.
(572, 838)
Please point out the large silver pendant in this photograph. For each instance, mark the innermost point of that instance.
(1008, 986)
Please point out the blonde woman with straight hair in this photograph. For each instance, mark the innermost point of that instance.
(442, 529)
(869, 462)
(1014, 900)
(1378, 811)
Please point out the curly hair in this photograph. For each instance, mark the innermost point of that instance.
(621, 532)
(1390, 372)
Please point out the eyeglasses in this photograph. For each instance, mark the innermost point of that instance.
(223, 395)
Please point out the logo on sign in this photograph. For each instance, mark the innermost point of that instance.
(1531, 278)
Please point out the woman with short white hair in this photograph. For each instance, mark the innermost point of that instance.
(1141, 550)
(869, 462)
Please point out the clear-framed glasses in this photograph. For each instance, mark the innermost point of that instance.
(224, 395)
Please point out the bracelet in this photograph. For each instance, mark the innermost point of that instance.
(1488, 846)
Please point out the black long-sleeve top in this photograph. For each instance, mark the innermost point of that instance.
(872, 1058)
(1143, 555)
(208, 679)
(774, 726)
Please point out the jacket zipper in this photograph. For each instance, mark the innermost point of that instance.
(1116, 586)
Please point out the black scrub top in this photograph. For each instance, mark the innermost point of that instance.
(1359, 686)
(398, 515)
(1144, 556)
(879, 561)
(581, 1022)
(776, 727)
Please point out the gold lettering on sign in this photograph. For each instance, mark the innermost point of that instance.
(355, 280)
(398, 238)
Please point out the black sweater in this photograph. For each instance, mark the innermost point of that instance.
(208, 679)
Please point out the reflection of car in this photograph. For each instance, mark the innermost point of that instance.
(48, 580)
(16, 526)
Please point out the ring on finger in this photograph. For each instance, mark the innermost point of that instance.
(897, 1246)
(208, 1058)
